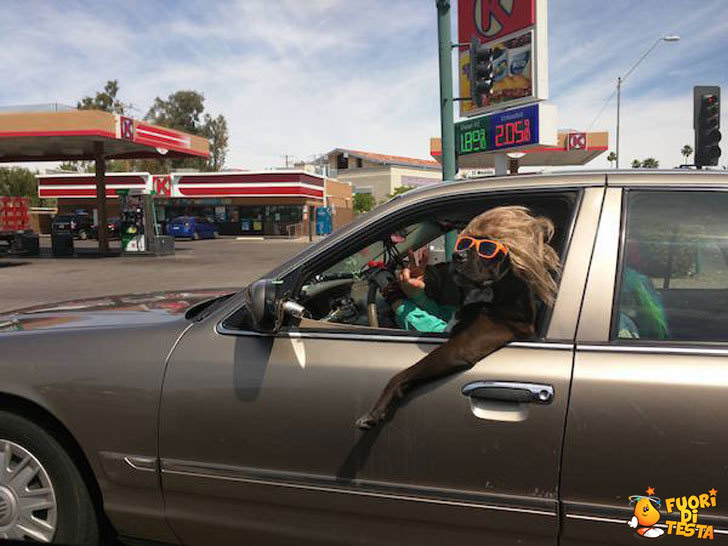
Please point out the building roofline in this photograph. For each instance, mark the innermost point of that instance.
(395, 160)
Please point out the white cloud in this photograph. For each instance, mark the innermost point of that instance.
(301, 77)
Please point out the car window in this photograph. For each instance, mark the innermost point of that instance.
(340, 291)
(673, 283)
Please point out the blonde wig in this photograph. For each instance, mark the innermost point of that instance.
(527, 239)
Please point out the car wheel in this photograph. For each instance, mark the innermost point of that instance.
(83, 234)
(195, 236)
(42, 495)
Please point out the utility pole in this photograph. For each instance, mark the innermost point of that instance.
(447, 127)
(619, 102)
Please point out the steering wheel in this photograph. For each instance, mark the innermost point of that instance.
(377, 280)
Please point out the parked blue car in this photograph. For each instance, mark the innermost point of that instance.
(192, 227)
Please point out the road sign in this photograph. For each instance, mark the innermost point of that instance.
(515, 31)
(489, 20)
(510, 130)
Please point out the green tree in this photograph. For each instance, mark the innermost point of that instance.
(612, 157)
(650, 163)
(105, 100)
(686, 151)
(636, 163)
(184, 110)
(216, 131)
(71, 166)
(19, 181)
(363, 202)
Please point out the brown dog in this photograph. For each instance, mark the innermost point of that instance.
(501, 292)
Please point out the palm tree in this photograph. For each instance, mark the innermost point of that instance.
(636, 163)
(650, 163)
(686, 151)
(612, 157)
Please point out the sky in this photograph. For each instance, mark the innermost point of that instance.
(301, 77)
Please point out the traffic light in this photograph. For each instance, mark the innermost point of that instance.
(706, 121)
(480, 71)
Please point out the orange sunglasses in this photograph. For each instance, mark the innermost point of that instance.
(486, 248)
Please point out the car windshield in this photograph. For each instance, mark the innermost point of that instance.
(182, 219)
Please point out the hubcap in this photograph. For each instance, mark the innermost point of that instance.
(28, 508)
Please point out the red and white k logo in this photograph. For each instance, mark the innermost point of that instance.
(126, 128)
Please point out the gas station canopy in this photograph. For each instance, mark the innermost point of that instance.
(72, 135)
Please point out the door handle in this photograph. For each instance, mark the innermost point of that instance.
(510, 391)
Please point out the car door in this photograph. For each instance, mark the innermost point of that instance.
(649, 403)
(257, 441)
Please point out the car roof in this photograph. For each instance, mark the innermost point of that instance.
(577, 178)
(555, 180)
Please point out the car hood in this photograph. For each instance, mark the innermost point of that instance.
(127, 309)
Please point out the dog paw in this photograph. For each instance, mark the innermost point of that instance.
(366, 422)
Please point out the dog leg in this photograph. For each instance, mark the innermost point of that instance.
(481, 338)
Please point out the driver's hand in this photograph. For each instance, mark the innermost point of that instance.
(412, 277)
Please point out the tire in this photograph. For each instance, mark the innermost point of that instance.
(67, 511)
(83, 234)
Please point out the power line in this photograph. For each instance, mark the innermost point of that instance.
(606, 103)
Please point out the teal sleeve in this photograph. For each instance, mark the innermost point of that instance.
(410, 317)
(429, 305)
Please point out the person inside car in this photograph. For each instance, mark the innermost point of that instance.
(427, 297)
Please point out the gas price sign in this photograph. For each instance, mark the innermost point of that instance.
(516, 128)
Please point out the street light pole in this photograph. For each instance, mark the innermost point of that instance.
(621, 79)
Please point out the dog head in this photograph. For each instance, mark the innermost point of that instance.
(525, 251)
(472, 271)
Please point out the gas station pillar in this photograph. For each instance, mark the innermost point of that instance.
(100, 163)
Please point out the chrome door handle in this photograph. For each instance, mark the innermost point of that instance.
(510, 391)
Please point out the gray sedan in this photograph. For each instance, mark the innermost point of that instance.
(218, 418)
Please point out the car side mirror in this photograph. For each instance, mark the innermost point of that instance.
(263, 305)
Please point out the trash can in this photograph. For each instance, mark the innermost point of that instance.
(162, 245)
(27, 243)
(62, 244)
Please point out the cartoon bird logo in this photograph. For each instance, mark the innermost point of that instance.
(646, 514)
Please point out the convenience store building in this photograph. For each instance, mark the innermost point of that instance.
(239, 202)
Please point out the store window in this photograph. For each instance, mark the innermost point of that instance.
(673, 283)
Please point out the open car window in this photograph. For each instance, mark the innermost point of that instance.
(340, 292)
(402, 240)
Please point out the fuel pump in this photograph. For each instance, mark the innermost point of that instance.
(133, 224)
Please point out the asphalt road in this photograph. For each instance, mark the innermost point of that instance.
(218, 263)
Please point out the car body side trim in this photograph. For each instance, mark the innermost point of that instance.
(603, 519)
(596, 518)
(220, 329)
(143, 464)
(654, 349)
(361, 488)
